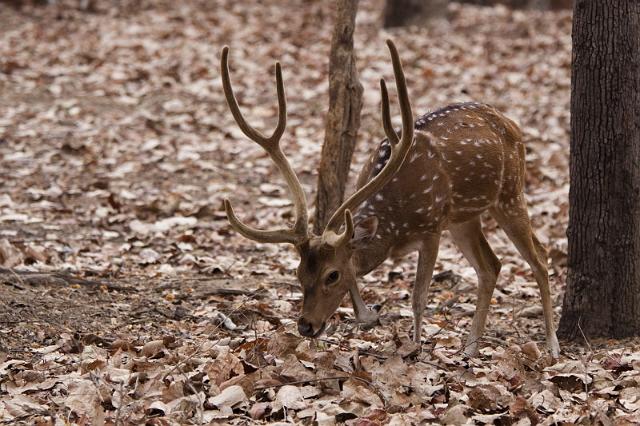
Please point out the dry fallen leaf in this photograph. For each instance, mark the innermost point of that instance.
(229, 397)
(152, 348)
(289, 397)
(530, 349)
(9, 255)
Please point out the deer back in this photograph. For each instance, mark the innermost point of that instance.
(464, 159)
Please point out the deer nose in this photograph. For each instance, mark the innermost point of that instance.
(305, 328)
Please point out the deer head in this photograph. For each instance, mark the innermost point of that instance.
(326, 271)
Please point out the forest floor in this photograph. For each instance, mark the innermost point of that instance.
(125, 298)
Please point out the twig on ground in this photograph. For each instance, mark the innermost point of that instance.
(61, 278)
(306, 382)
(586, 372)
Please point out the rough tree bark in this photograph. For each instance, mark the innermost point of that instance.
(603, 283)
(343, 118)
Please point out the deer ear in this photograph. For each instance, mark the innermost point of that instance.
(364, 231)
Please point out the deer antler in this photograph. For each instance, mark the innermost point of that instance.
(399, 148)
(271, 145)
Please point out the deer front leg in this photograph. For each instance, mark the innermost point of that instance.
(426, 261)
(364, 315)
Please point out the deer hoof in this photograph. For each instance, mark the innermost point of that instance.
(471, 350)
(368, 318)
(554, 347)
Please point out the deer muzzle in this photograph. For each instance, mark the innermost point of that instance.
(307, 329)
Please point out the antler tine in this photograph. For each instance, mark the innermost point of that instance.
(273, 236)
(399, 149)
(282, 105)
(246, 128)
(403, 96)
(271, 145)
(386, 115)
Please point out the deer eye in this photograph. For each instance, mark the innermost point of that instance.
(333, 277)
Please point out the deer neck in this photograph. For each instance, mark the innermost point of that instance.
(369, 256)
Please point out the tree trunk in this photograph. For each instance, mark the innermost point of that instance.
(343, 118)
(602, 298)
(398, 13)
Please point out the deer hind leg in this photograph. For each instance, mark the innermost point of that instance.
(426, 260)
(516, 224)
(469, 238)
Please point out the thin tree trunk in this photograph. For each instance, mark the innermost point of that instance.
(343, 118)
(602, 298)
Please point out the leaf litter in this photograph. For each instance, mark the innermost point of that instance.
(127, 299)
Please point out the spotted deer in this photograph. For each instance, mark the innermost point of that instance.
(441, 172)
